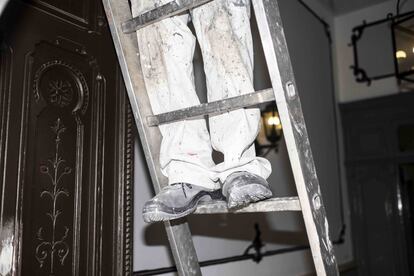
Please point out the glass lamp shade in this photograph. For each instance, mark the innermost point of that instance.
(403, 35)
(271, 123)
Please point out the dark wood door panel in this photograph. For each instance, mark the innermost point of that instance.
(64, 135)
(65, 143)
(86, 14)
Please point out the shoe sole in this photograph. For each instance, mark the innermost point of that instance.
(242, 196)
(157, 215)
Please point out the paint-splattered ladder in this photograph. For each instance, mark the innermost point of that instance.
(284, 92)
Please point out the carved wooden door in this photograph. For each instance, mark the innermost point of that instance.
(65, 143)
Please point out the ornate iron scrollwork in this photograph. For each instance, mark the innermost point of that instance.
(360, 73)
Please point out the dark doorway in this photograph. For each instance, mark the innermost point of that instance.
(379, 142)
(406, 206)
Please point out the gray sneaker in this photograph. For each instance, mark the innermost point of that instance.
(243, 188)
(176, 201)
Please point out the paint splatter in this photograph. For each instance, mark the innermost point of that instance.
(6, 249)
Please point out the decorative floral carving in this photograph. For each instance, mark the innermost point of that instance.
(54, 169)
(60, 92)
(61, 86)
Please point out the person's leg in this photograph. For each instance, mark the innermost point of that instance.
(166, 53)
(223, 30)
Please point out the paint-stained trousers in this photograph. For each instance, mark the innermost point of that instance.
(166, 52)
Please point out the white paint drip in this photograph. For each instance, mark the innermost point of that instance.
(6, 249)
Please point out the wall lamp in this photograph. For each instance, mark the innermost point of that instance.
(271, 130)
(403, 43)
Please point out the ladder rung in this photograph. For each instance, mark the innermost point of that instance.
(216, 107)
(172, 8)
(276, 204)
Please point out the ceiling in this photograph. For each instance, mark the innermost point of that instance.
(345, 6)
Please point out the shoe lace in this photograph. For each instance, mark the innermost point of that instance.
(182, 187)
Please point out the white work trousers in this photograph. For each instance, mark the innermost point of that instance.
(166, 52)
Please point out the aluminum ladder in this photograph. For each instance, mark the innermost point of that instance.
(284, 92)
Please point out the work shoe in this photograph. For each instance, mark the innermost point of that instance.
(176, 201)
(242, 188)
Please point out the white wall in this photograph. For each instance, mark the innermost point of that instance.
(346, 86)
(228, 235)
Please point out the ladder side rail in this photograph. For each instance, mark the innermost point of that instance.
(296, 137)
(126, 46)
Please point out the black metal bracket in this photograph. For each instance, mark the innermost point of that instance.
(359, 73)
(357, 32)
(256, 245)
